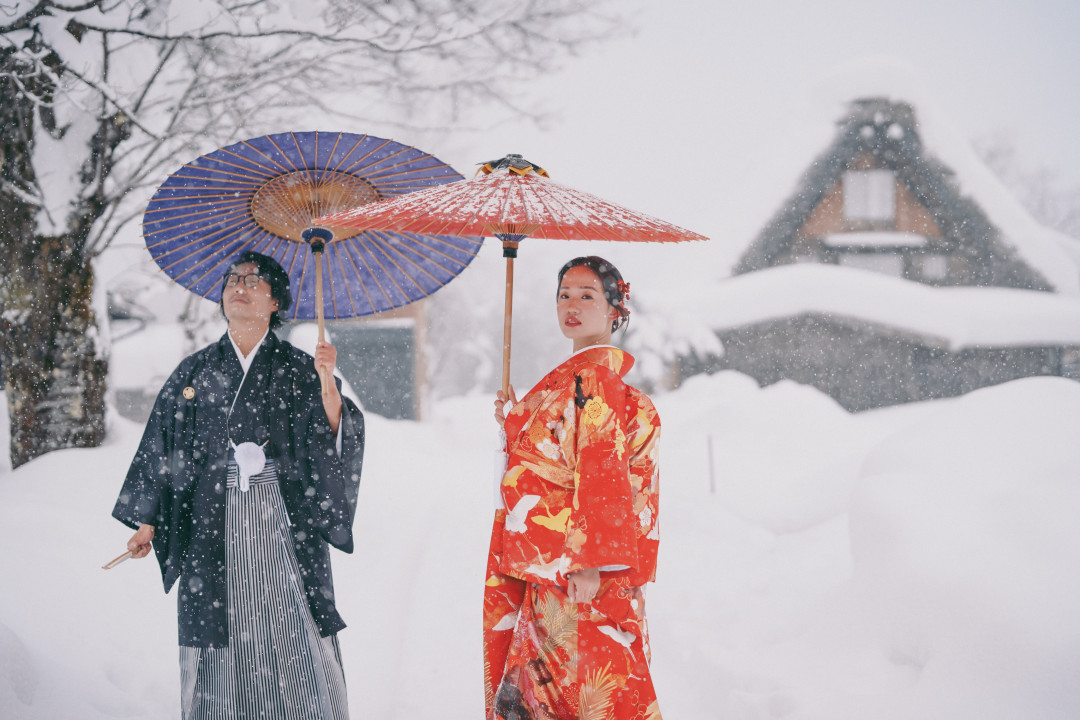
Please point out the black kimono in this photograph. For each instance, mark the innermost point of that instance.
(177, 480)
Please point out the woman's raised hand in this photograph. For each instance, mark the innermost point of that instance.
(500, 405)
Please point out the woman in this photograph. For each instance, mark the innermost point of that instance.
(576, 539)
(245, 476)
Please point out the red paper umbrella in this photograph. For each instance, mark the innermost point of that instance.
(511, 199)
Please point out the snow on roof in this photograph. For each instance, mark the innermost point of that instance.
(956, 316)
(813, 125)
(874, 239)
(1039, 246)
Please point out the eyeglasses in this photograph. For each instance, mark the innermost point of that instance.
(250, 281)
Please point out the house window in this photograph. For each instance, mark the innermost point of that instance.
(934, 267)
(869, 195)
(885, 263)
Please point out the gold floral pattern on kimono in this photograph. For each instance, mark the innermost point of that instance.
(582, 440)
(580, 491)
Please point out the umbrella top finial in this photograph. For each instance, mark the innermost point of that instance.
(514, 163)
(317, 238)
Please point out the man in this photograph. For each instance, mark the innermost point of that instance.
(246, 472)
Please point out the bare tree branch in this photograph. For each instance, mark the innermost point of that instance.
(101, 99)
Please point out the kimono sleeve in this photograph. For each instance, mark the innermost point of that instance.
(601, 530)
(332, 482)
(142, 496)
(643, 441)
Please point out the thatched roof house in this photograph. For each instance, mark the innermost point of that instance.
(878, 200)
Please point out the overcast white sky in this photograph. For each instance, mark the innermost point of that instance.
(706, 111)
(702, 89)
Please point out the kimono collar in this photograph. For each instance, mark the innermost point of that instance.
(245, 362)
(615, 359)
(228, 354)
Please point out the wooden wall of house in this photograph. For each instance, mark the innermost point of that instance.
(864, 367)
(911, 217)
(828, 217)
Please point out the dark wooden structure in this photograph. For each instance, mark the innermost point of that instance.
(864, 365)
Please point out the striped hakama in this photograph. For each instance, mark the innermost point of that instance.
(276, 664)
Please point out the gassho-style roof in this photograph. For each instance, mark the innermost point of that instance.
(969, 206)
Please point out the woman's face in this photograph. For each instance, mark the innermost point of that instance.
(584, 313)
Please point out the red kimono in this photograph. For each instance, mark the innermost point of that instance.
(580, 491)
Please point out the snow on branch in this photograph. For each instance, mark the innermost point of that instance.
(183, 78)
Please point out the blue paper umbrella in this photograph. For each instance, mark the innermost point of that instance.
(262, 194)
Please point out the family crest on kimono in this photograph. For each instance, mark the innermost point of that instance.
(245, 476)
(576, 536)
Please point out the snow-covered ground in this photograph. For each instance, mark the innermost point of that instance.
(913, 562)
(916, 562)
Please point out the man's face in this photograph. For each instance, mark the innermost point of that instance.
(251, 306)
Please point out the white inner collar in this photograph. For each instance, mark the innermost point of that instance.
(586, 349)
(245, 362)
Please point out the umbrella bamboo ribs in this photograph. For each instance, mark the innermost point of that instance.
(262, 194)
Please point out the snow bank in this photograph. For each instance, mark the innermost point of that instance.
(965, 554)
(912, 562)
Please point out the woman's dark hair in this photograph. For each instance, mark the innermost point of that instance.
(616, 291)
(271, 272)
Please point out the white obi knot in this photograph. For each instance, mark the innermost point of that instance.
(250, 460)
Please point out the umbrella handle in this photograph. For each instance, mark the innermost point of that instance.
(508, 313)
(116, 561)
(317, 237)
(322, 323)
(510, 242)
